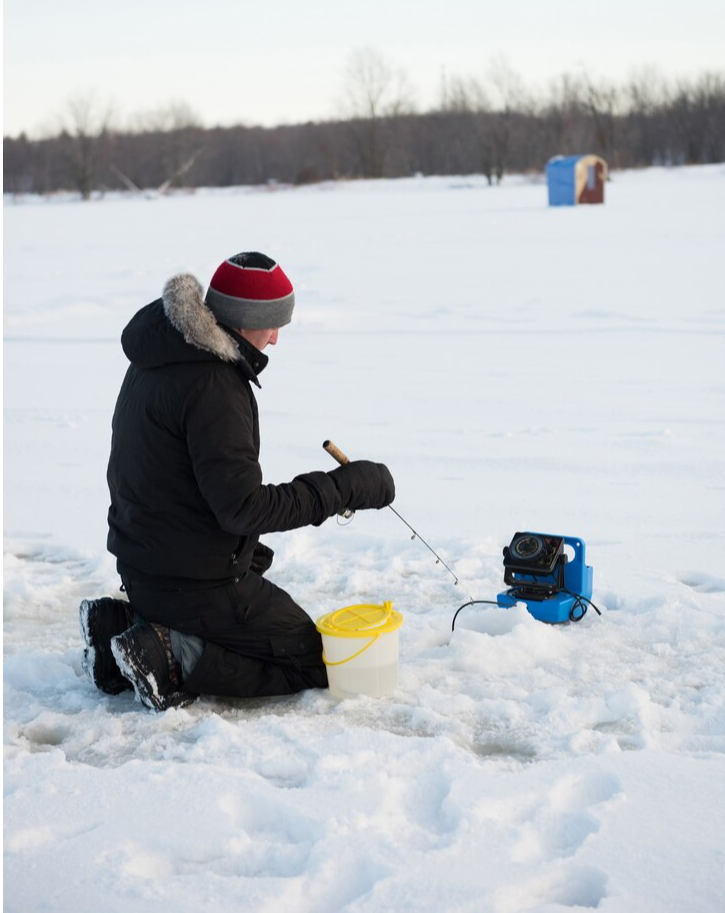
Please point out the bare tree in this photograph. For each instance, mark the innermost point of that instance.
(603, 102)
(710, 94)
(488, 109)
(644, 96)
(564, 116)
(86, 128)
(509, 97)
(176, 115)
(696, 117)
(376, 95)
(470, 100)
(178, 131)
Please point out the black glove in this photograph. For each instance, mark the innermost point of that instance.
(364, 485)
(261, 559)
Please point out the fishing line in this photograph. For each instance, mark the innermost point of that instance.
(343, 460)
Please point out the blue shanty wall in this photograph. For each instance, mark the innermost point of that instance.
(561, 179)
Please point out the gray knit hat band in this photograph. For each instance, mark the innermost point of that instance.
(249, 313)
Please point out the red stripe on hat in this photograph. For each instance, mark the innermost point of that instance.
(255, 284)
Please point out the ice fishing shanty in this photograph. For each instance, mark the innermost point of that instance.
(575, 179)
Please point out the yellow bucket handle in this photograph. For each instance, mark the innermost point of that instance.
(341, 662)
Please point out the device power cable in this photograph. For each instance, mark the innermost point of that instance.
(580, 602)
(472, 602)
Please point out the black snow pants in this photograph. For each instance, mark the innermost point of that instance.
(258, 641)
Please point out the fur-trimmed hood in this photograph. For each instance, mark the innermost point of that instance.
(184, 305)
(179, 327)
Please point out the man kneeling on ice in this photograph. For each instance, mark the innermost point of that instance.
(188, 504)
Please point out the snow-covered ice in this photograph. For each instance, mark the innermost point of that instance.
(517, 367)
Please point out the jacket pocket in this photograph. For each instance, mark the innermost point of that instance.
(305, 647)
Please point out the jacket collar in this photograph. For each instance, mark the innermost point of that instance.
(251, 357)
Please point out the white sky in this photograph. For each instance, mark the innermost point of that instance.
(275, 61)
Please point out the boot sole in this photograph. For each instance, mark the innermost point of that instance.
(95, 664)
(143, 681)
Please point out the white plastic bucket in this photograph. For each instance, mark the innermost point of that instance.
(360, 649)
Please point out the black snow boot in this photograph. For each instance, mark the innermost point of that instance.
(144, 656)
(102, 619)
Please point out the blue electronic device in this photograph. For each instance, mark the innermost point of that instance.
(539, 572)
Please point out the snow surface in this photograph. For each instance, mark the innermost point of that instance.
(517, 367)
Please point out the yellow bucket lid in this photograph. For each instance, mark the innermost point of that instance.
(360, 621)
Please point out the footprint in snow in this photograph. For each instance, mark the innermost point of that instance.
(565, 886)
(703, 583)
(556, 826)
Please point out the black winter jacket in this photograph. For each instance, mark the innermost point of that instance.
(187, 496)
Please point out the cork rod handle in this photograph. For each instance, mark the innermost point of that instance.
(336, 453)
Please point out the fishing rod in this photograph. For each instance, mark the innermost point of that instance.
(343, 460)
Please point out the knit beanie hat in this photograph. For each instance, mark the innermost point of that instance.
(250, 291)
